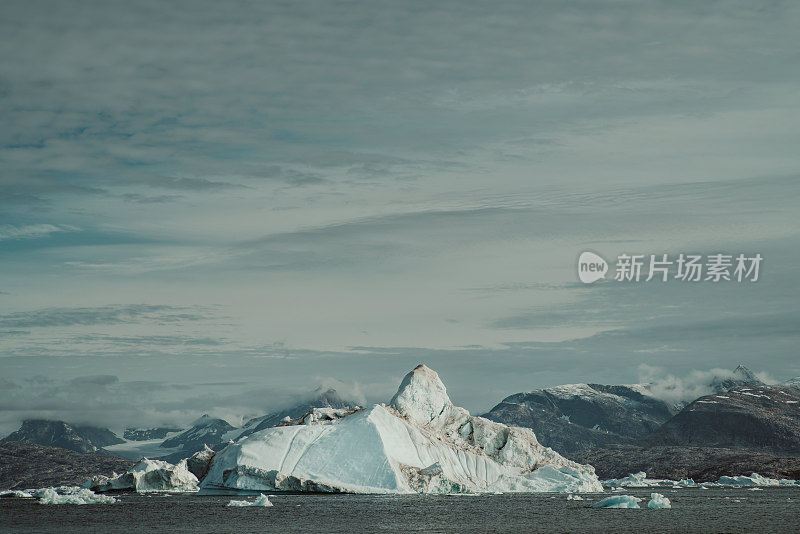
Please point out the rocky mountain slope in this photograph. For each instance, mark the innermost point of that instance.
(27, 465)
(205, 430)
(61, 434)
(762, 418)
(577, 417)
(703, 464)
(325, 398)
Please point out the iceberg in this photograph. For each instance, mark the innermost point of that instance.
(658, 501)
(70, 495)
(199, 462)
(418, 443)
(261, 500)
(148, 475)
(618, 501)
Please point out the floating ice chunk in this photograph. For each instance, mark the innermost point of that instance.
(70, 495)
(261, 500)
(658, 501)
(572, 497)
(618, 501)
(148, 475)
(686, 483)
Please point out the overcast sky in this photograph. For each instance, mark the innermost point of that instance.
(213, 205)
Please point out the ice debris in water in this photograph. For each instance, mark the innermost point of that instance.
(618, 501)
(419, 443)
(658, 501)
(572, 497)
(70, 495)
(261, 500)
(20, 494)
(754, 480)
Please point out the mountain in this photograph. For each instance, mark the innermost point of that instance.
(27, 465)
(577, 417)
(702, 464)
(61, 434)
(762, 418)
(793, 382)
(147, 434)
(418, 443)
(742, 376)
(322, 398)
(204, 431)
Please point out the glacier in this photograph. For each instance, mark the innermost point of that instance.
(419, 442)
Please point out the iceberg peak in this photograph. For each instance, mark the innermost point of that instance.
(421, 396)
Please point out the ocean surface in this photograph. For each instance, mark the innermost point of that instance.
(694, 510)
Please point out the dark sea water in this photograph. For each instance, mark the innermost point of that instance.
(694, 510)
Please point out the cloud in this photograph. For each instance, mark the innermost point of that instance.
(32, 231)
(100, 315)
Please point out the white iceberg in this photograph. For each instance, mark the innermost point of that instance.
(70, 495)
(618, 501)
(148, 475)
(418, 443)
(261, 500)
(658, 501)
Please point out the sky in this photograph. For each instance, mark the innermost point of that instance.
(220, 206)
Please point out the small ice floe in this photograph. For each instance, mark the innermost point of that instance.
(618, 501)
(572, 497)
(261, 500)
(658, 501)
(70, 495)
(756, 489)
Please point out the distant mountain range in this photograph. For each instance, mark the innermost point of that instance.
(578, 417)
(60, 434)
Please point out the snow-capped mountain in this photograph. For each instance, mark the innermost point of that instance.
(576, 417)
(419, 442)
(765, 418)
(742, 376)
(205, 430)
(64, 435)
(322, 398)
(147, 434)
